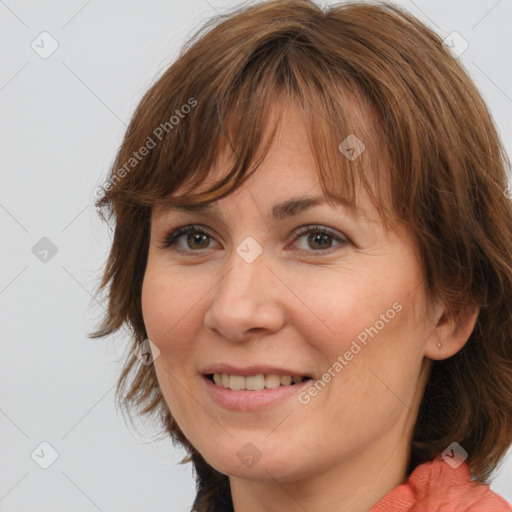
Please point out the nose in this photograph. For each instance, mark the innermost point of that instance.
(246, 301)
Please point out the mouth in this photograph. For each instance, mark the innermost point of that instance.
(257, 382)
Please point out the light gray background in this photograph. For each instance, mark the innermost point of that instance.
(62, 119)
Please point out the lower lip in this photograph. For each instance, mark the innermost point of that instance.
(243, 400)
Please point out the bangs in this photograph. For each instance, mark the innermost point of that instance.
(238, 122)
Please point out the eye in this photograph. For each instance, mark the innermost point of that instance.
(197, 238)
(319, 237)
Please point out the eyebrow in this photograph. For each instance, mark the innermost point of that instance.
(279, 211)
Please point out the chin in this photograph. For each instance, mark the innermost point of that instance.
(258, 461)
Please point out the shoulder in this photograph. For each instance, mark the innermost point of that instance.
(435, 486)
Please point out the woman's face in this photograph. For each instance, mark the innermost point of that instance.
(257, 296)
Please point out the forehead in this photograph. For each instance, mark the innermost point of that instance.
(286, 179)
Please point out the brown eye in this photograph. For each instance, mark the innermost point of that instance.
(320, 239)
(197, 238)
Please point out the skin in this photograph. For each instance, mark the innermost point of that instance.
(299, 305)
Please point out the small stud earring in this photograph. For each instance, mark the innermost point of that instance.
(439, 345)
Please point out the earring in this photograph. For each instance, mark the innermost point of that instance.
(439, 345)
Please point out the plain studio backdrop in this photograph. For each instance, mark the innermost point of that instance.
(72, 73)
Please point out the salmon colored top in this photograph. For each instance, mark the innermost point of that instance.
(435, 486)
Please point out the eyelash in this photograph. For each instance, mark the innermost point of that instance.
(171, 238)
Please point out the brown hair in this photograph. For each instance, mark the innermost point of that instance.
(446, 170)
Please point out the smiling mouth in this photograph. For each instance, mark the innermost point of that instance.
(254, 382)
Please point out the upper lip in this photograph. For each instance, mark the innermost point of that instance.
(247, 371)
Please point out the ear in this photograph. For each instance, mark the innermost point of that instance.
(454, 327)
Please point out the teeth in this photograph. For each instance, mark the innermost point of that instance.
(286, 380)
(236, 382)
(272, 381)
(254, 382)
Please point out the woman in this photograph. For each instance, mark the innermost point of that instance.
(313, 249)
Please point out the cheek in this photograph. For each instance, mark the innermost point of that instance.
(350, 310)
(170, 317)
(168, 307)
(154, 305)
(374, 322)
(382, 359)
